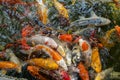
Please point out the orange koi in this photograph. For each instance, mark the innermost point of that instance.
(27, 30)
(61, 9)
(42, 11)
(55, 55)
(13, 2)
(44, 63)
(95, 60)
(83, 73)
(117, 28)
(34, 71)
(8, 65)
(117, 3)
(65, 37)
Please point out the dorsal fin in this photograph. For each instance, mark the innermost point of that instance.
(93, 14)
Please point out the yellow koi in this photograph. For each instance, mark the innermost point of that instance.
(61, 9)
(44, 63)
(73, 2)
(42, 11)
(95, 60)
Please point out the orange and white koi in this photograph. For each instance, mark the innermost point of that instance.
(55, 55)
(34, 71)
(61, 9)
(95, 60)
(38, 39)
(102, 75)
(83, 72)
(42, 11)
(65, 37)
(44, 63)
(86, 50)
(8, 65)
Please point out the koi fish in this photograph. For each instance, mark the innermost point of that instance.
(61, 9)
(76, 54)
(86, 50)
(44, 63)
(55, 55)
(13, 58)
(38, 39)
(95, 60)
(103, 74)
(42, 11)
(83, 73)
(13, 2)
(65, 37)
(34, 71)
(93, 20)
(117, 28)
(8, 65)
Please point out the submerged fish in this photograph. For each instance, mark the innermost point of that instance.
(42, 11)
(93, 20)
(95, 60)
(102, 75)
(61, 9)
(48, 64)
(54, 55)
(83, 71)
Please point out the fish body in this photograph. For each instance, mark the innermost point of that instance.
(38, 39)
(44, 63)
(8, 65)
(34, 71)
(61, 9)
(95, 60)
(93, 20)
(86, 50)
(83, 73)
(103, 74)
(55, 55)
(117, 28)
(42, 11)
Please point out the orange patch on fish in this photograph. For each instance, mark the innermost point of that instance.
(85, 46)
(117, 29)
(27, 30)
(55, 55)
(83, 73)
(8, 65)
(34, 71)
(95, 60)
(24, 44)
(65, 37)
